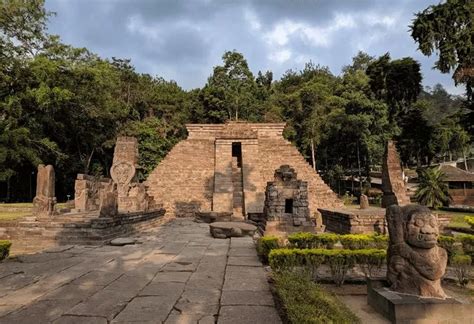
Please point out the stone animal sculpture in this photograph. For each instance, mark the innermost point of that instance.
(416, 263)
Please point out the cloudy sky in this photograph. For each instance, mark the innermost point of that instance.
(183, 40)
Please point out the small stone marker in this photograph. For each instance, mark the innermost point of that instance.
(364, 202)
(121, 241)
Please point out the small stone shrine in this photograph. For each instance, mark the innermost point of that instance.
(286, 199)
(44, 201)
(132, 196)
(393, 184)
(415, 267)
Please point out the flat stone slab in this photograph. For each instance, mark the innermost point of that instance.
(247, 297)
(121, 241)
(248, 314)
(231, 229)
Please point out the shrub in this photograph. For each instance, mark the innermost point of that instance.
(470, 221)
(348, 241)
(364, 241)
(448, 243)
(305, 302)
(461, 264)
(467, 241)
(370, 260)
(310, 240)
(4, 249)
(339, 261)
(265, 244)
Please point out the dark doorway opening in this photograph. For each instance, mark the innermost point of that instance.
(237, 152)
(288, 206)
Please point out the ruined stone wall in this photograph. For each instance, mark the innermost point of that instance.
(184, 181)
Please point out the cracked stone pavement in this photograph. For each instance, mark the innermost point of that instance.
(178, 274)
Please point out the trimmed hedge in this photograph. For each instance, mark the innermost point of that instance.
(449, 243)
(461, 264)
(305, 302)
(328, 240)
(339, 261)
(467, 241)
(470, 221)
(265, 244)
(4, 249)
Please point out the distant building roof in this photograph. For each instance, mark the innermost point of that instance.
(453, 174)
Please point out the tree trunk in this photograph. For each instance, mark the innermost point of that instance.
(358, 167)
(86, 170)
(8, 189)
(465, 160)
(313, 155)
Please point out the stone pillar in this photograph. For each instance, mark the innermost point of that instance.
(254, 196)
(44, 201)
(393, 185)
(222, 197)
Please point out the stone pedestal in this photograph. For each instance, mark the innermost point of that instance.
(404, 308)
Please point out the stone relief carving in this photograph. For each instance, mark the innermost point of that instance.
(416, 263)
(44, 201)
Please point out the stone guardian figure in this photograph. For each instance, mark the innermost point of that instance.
(415, 262)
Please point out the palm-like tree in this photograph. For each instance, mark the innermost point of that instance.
(432, 190)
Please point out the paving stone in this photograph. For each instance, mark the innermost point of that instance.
(245, 278)
(58, 249)
(171, 289)
(243, 251)
(43, 311)
(171, 248)
(146, 309)
(246, 297)
(130, 285)
(70, 319)
(251, 261)
(202, 295)
(102, 304)
(182, 265)
(185, 307)
(236, 242)
(248, 314)
(97, 278)
(171, 277)
(190, 319)
(72, 291)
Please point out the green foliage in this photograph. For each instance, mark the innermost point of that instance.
(339, 261)
(461, 264)
(432, 191)
(467, 241)
(348, 241)
(446, 29)
(265, 245)
(470, 221)
(305, 302)
(448, 243)
(4, 249)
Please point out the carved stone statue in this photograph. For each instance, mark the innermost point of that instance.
(416, 263)
(44, 201)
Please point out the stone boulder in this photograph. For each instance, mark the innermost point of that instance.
(231, 229)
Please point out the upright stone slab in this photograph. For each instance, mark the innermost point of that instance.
(44, 201)
(88, 190)
(132, 196)
(393, 185)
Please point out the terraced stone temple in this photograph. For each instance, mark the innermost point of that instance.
(226, 167)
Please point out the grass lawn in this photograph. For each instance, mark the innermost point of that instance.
(9, 216)
(457, 218)
(22, 205)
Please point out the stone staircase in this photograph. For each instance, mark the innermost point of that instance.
(238, 198)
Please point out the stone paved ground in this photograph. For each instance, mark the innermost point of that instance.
(179, 274)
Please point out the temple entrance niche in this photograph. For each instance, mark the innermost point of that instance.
(237, 183)
(286, 198)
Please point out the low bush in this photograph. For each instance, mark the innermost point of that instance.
(470, 221)
(461, 264)
(328, 240)
(448, 243)
(4, 249)
(265, 244)
(339, 261)
(305, 302)
(467, 241)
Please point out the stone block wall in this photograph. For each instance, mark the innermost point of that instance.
(342, 221)
(195, 174)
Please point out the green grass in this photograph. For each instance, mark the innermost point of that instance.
(10, 216)
(305, 302)
(459, 221)
(22, 205)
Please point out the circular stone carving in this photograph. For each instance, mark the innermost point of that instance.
(122, 173)
(231, 229)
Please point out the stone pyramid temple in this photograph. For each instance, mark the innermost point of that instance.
(226, 167)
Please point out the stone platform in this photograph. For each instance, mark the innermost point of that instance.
(178, 274)
(231, 229)
(403, 308)
(31, 234)
(353, 220)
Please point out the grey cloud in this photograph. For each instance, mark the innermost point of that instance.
(183, 40)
